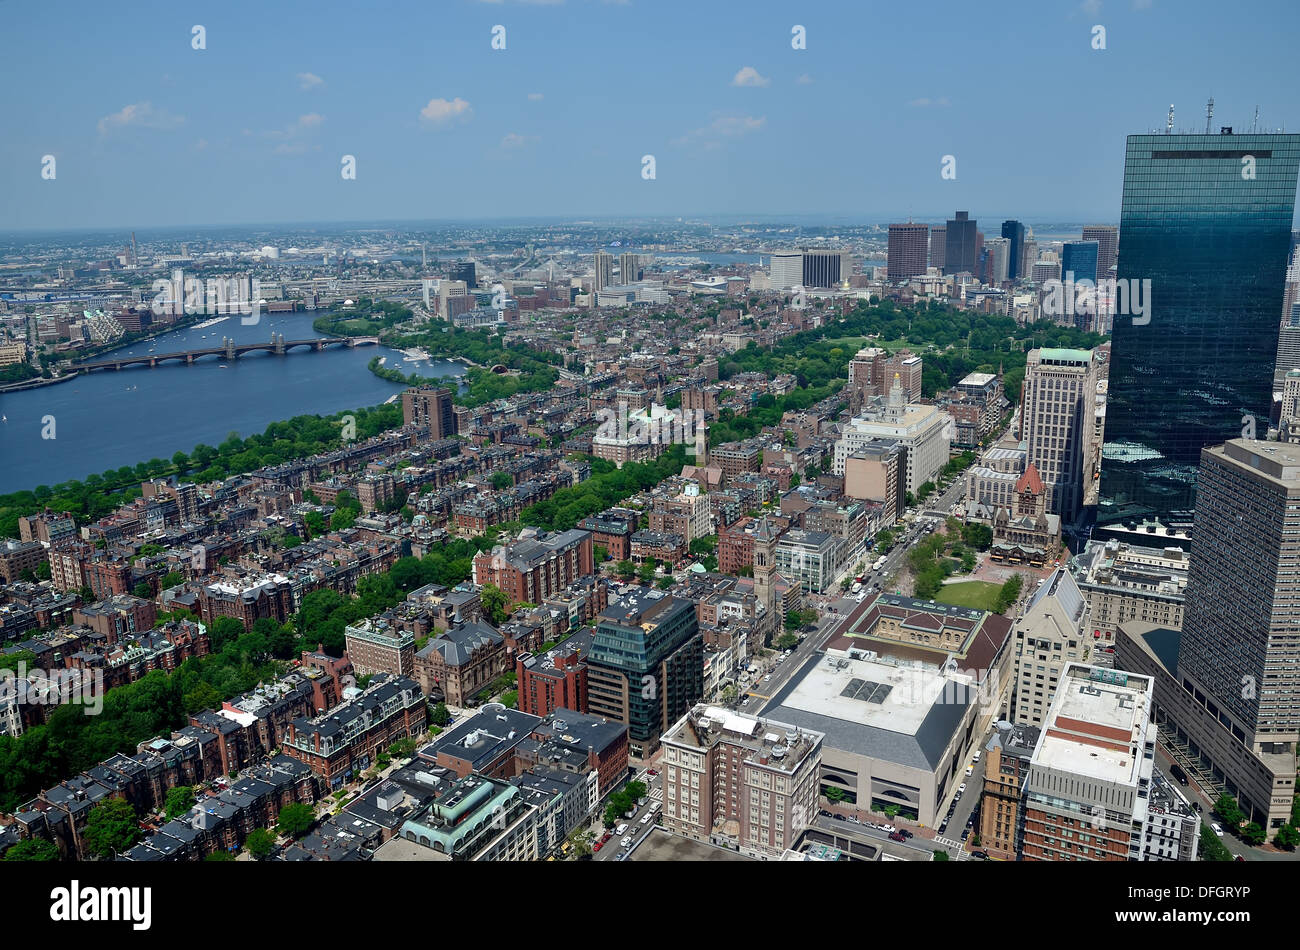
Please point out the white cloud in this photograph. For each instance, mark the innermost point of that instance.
(1090, 7)
(140, 115)
(749, 76)
(443, 111)
(925, 102)
(309, 120)
(309, 81)
(804, 80)
(1142, 4)
(722, 127)
(513, 140)
(535, 97)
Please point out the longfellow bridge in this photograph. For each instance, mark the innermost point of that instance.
(229, 350)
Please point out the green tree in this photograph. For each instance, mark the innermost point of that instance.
(171, 579)
(502, 480)
(495, 603)
(1287, 837)
(1212, 848)
(787, 641)
(33, 849)
(111, 828)
(1227, 808)
(295, 820)
(260, 843)
(440, 715)
(143, 590)
(626, 570)
(220, 856)
(940, 855)
(1254, 834)
(180, 799)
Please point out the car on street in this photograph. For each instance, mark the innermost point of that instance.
(651, 772)
(896, 836)
(962, 788)
(965, 834)
(1218, 829)
(970, 770)
(597, 846)
(943, 826)
(890, 828)
(982, 855)
(906, 833)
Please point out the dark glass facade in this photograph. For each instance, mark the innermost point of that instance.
(647, 653)
(1207, 220)
(961, 253)
(1014, 232)
(1079, 258)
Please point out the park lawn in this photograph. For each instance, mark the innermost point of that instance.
(981, 595)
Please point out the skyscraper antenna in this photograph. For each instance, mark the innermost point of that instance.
(1209, 114)
(1169, 123)
(1255, 123)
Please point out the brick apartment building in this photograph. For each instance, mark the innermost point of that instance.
(534, 568)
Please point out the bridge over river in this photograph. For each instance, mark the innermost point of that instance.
(228, 350)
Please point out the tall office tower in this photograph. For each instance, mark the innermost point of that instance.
(787, 270)
(938, 245)
(909, 250)
(1086, 797)
(1014, 232)
(1213, 243)
(464, 270)
(430, 407)
(1291, 294)
(646, 665)
(1080, 259)
(1028, 258)
(961, 252)
(823, 268)
(1288, 347)
(604, 271)
(1107, 238)
(997, 255)
(1241, 620)
(1289, 420)
(629, 268)
(1058, 412)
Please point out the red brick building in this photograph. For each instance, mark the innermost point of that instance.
(546, 683)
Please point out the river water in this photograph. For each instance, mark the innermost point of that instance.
(108, 419)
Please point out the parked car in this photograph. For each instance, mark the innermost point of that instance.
(597, 846)
(962, 788)
(890, 828)
(976, 756)
(1218, 830)
(895, 836)
(970, 770)
(982, 855)
(626, 842)
(943, 826)
(905, 833)
(965, 833)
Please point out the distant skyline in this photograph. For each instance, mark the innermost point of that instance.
(148, 132)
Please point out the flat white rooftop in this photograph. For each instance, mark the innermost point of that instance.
(883, 695)
(1093, 728)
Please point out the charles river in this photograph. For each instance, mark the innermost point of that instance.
(107, 419)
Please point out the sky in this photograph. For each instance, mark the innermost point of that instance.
(147, 130)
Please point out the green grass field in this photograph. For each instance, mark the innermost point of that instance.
(978, 594)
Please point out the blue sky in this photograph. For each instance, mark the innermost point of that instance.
(147, 131)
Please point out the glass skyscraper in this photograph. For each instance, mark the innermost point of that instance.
(1014, 232)
(1207, 220)
(1080, 259)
